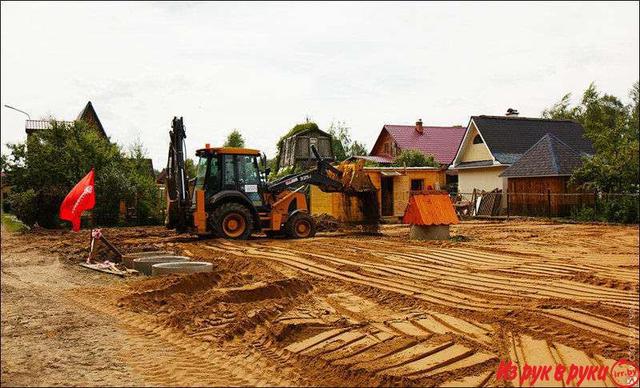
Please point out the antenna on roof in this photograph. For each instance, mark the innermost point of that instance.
(512, 112)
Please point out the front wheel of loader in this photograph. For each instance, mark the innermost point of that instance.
(300, 225)
(232, 221)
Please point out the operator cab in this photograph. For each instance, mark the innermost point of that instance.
(230, 168)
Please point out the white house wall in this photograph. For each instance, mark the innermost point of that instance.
(482, 179)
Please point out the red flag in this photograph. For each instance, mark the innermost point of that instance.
(82, 197)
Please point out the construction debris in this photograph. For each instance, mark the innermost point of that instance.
(487, 203)
(107, 267)
(327, 223)
(97, 236)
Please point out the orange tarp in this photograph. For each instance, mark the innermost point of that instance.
(430, 209)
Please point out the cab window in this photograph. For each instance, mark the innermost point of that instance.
(213, 184)
(249, 178)
(229, 171)
(248, 170)
(201, 173)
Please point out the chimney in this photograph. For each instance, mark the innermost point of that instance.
(512, 112)
(419, 126)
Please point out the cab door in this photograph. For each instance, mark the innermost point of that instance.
(240, 173)
(249, 178)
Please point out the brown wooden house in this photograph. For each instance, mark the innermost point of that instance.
(538, 182)
(296, 149)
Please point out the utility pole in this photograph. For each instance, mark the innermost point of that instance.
(21, 111)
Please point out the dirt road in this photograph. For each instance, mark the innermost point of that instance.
(339, 309)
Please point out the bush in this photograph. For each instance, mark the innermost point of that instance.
(24, 207)
(622, 209)
(12, 224)
(583, 214)
(413, 158)
(611, 208)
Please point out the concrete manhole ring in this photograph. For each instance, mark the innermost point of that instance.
(143, 264)
(128, 258)
(181, 267)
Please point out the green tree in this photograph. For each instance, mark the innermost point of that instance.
(190, 168)
(234, 139)
(342, 144)
(143, 192)
(357, 149)
(613, 130)
(51, 161)
(413, 158)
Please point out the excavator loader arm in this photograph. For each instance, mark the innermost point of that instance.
(345, 178)
(178, 200)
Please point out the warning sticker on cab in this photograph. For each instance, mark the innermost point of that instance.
(250, 188)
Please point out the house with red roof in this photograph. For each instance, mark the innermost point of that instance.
(441, 142)
(395, 184)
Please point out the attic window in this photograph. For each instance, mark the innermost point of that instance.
(477, 140)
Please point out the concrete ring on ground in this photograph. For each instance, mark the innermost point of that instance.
(143, 264)
(181, 267)
(128, 258)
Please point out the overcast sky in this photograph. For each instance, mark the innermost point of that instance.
(263, 67)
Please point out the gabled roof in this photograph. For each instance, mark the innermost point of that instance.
(306, 131)
(508, 137)
(89, 115)
(441, 142)
(550, 156)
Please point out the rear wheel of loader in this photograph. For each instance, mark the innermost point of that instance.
(233, 221)
(300, 225)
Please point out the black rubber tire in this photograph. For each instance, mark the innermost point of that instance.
(291, 226)
(274, 234)
(224, 211)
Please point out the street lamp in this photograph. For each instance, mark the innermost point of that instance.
(21, 111)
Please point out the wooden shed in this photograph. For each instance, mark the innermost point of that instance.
(296, 149)
(535, 180)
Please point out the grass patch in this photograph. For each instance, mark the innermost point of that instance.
(12, 224)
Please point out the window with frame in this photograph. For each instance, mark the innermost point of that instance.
(229, 171)
(213, 183)
(477, 139)
(417, 184)
(201, 172)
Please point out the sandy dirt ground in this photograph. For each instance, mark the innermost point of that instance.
(338, 309)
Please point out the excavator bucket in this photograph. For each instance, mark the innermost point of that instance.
(354, 179)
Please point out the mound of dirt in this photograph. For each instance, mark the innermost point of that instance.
(285, 288)
(327, 223)
(197, 303)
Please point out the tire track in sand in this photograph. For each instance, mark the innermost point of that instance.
(165, 356)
